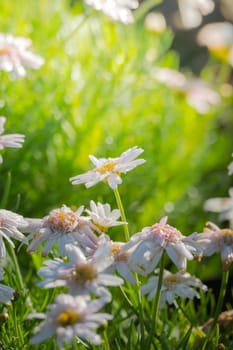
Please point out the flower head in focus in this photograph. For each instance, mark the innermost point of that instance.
(70, 317)
(10, 224)
(62, 226)
(197, 93)
(117, 10)
(217, 240)
(6, 293)
(174, 284)
(10, 140)
(110, 169)
(222, 205)
(80, 275)
(103, 217)
(218, 38)
(149, 244)
(14, 55)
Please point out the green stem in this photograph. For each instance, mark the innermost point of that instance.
(17, 268)
(145, 7)
(121, 208)
(218, 309)
(155, 305)
(106, 342)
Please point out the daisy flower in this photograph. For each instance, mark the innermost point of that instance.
(222, 205)
(117, 10)
(6, 293)
(10, 223)
(10, 140)
(80, 275)
(149, 244)
(14, 55)
(71, 317)
(174, 284)
(217, 240)
(120, 261)
(109, 169)
(61, 226)
(103, 217)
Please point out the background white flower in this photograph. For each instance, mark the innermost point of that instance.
(192, 11)
(222, 205)
(14, 55)
(10, 140)
(117, 10)
(70, 317)
(197, 93)
(110, 169)
(178, 284)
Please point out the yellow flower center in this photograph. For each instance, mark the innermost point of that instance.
(169, 233)
(169, 281)
(227, 232)
(68, 318)
(116, 253)
(221, 53)
(62, 221)
(84, 273)
(106, 167)
(4, 50)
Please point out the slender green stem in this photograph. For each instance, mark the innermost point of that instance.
(17, 268)
(75, 344)
(106, 342)
(222, 292)
(121, 208)
(18, 329)
(155, 305)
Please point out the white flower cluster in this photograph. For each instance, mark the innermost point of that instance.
(87, 261)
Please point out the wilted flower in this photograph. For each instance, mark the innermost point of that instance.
(10, 140)
(6, 293)
(103, 217)
(149, 245)
(109, 169)
(217, 240)
(218, 38)
(222, 205)
(80, 275)
(9, 224)
(192, 11)
(174, 284)
(70, 317)
(14, 55)
(197, 93)
(61, 226)
(117, 10)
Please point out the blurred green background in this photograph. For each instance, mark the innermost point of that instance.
(96, 94)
